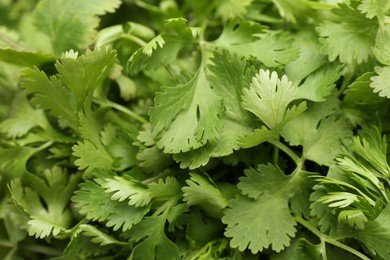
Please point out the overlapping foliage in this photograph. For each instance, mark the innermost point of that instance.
(194, 129)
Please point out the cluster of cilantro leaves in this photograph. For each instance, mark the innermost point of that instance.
(168, 129)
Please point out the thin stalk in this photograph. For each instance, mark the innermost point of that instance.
(44, 146)
(134, 39)
(287, 151)
(6, 243)
(329, 240)
(171, 72)
(127, 112)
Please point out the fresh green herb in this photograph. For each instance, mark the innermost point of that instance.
(164, 129)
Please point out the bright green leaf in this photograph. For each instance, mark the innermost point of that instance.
(269, 99)
(71, 24)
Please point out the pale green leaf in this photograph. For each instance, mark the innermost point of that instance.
(92, 201)
(246, 38)
(50, 94)
(255, 223)
(381, 82)
(251, 229)
(360, 92)
(310, 58)
(269, 98)
(90, 157)
(133, 192)
(99, 237)
(229, 75)
(353, 217)
(231, 9)
(71, 24)
(163, 49)
(292, 10)
(186, 116)
(25, 58)
(259, 136)
(381, 49)
(154, 244)
(46, 201)
(320, 84)
(202, 192)
(165, 188)
(319, 133)
(374, 8)
(85, 73)
(376, 235)
(349, 37)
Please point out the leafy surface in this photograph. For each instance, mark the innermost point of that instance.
(228, 129)
(252, 219)
(70, 24)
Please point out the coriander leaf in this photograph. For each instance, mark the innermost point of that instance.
(269, 97)
(83, 74)
(376, 235)
(318, 85)
(372, 147)
(344, 37)
(228, 76)
(231, 9)
(46, 202)
(99, 237)
(381, 81)
(81, 246)
(319, 133)
(152, 159)
(163, 189)
(13, 160)
(360, 92)
(248, 38)
(258, 136)
(301, 248)
(122, 189)
(382, 44)
(23, 118)
(203, 192)
(71, 24)
(154, 243)
(249, 230)
(186, 116)
(90, 157)
(374, 8)
(119, 146)
(291, 10)
(310, 58)
(163, 49)
(50, 94)
(25, 58)
(356, 190)
(93, 202)
(254, 222)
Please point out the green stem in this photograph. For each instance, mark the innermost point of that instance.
(134, 39)
(329, 240)
(43, 147)
(126, 111)
(171, 72)
(6, 243)
(287, 151)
